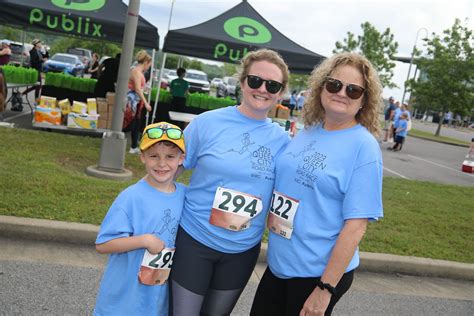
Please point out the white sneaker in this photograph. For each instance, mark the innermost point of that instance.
(134, 151)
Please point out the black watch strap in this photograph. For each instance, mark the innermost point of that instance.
(326, 286)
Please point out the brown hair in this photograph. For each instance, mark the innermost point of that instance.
(143, 57)
(263, 55)
(313, 111)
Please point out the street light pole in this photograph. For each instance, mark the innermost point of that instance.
(411, 60)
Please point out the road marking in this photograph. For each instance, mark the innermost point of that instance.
(442, 166)
(15, 116)
(396, 173)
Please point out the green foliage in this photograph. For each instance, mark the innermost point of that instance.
(100, 47)
(298, 82)
(447, 72)
(379, 48)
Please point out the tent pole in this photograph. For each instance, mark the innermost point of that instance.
(159, 86)
(22, 47)
(152, 68)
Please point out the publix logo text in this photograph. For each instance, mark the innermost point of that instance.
(79, 25)
(243, 29)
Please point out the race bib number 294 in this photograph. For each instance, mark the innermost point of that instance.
(155, 269)
(233, 210)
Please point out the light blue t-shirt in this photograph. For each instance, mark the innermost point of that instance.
(335, 175)
(396, 116)
(402, 124)
(228, 149)
(139, 209)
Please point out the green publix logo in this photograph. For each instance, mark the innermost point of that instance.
(246, 30)
(79, 25)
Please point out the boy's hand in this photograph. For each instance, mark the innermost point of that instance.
(152, 243)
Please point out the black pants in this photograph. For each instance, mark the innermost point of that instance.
(286, 297)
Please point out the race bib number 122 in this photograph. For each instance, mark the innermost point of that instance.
(233, 210)
(281, 215)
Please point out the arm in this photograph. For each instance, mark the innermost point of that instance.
(136, 77)
(346, 245)
(150, 242)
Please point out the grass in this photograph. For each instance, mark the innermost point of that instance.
(430, 135)
(42, 176)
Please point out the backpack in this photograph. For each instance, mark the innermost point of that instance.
(17, 102)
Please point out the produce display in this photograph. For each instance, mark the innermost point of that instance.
(205, 101)
(60, 80)
(20, 75)
(165, 95)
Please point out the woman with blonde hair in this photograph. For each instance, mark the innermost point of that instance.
(136, 99)
(328, 186)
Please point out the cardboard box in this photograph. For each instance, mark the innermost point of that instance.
(109, 116)
(47, 102)
(102, 123)
(65, 106)
(272, 113)
(102, 106)
(110, 107)
(47, 115)
(109, 124)
(283, 113)
(110, 98)
(86, 121)
(91, 106)
(79, 107)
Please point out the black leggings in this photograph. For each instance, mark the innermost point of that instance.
(206, 281)
(286, 297)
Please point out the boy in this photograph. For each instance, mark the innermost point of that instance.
(401, 132)
(144, 216)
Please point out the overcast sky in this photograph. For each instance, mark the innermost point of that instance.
(318, 24)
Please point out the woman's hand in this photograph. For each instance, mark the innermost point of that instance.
(317, 303)
(152, 243)
(147, 106)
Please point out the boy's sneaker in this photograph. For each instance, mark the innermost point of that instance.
(134, 151)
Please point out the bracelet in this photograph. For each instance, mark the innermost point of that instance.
(331, 289)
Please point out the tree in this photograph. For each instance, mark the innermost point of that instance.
(446, 82)
(379, 48)
(100, 47)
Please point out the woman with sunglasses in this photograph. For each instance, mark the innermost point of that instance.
(232, 151)
(328, 186)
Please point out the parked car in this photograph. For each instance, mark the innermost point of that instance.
(171, 73)
(215, 82)
(67, 63)
(20, 54)
(227, 87)
(85, 55)
(198, 81)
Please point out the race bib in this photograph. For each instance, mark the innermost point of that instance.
(233, 210)
(281, 215)
(155, 269)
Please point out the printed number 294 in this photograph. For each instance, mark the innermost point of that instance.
(238, 202)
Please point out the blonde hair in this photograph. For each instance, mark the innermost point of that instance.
(143, 57)
(368, 116)
(263, 55)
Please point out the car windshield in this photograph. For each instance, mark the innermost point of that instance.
(76, 51)
(172, 73)
(196, 76)
(64, 59)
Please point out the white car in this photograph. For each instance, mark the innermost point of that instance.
(215, 82)
(197, 81)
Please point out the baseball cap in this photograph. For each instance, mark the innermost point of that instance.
(6, 42)
(162, 131)
(35, 41)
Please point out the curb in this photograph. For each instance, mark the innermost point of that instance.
(438, 141)
(77, 233)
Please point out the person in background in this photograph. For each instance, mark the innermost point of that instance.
(388, 115)
(293, 98)
(136, 99)
(401, 132)
(5, 53)
(3, 94)
(328, 186)
(108, 76)
(300, 101)
(94, 68)
(142, 221)
(36, 62)
(179, 89)
(232, 151)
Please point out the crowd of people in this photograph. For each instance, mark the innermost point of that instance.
(397, 124)
(310, 191)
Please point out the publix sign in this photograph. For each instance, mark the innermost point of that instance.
(243, 29)
(67, 23)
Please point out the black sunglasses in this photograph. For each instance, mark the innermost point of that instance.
(353, 91)
(272, 86)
